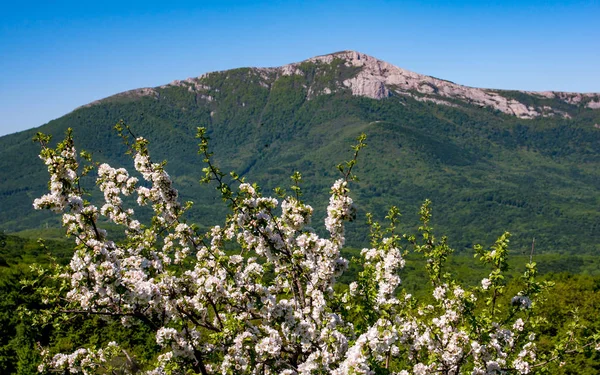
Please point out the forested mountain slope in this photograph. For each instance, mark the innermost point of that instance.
(489, 160)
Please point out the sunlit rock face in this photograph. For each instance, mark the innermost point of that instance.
(378, 79)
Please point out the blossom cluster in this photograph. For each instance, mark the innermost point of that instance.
(274, 305)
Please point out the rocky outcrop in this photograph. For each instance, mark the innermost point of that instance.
(593, 104)
(378, 79)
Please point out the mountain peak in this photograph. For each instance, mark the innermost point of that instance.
(352, 56)
(370, 77)
(378, 79)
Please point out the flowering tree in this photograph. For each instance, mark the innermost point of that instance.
(272, 305)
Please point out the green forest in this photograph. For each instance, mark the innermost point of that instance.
(574, 295)
(482, 169)
(485, 172)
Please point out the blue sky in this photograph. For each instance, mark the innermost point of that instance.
(58, 55)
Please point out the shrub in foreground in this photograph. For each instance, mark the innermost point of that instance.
(258, 294)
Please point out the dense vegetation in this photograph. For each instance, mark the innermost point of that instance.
(20, 337)
(482, 169)
(576, 291)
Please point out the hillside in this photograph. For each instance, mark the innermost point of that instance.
(490, 160)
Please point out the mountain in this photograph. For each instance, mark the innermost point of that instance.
(369, 77)
(490, 160)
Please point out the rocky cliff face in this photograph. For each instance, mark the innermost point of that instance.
(378, 79)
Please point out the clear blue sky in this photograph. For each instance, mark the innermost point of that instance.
(58, 55)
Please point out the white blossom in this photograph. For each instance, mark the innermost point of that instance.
(271, 307)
